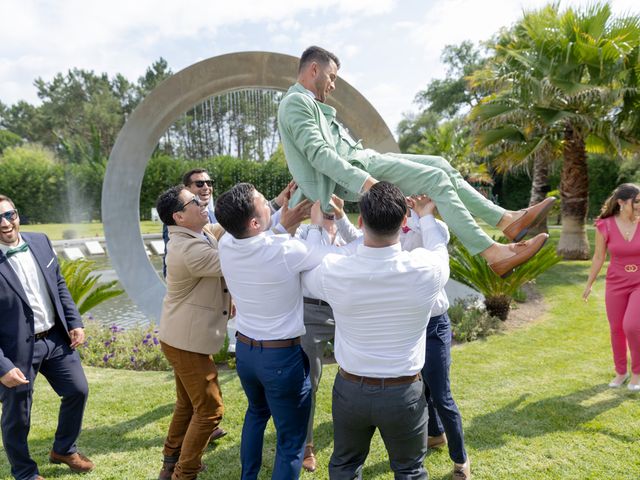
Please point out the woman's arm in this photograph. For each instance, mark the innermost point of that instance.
(599, 256)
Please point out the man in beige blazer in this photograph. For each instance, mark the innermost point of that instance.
(193, 326)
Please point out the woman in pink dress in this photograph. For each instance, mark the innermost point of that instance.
(617, 232)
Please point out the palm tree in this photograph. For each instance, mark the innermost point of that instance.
(565, 79)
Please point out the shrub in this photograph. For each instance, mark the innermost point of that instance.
(137, 348)
(470, 322)
(498, 292)
(83, 284)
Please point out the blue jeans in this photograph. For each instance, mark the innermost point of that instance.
(61, 366)
(444, 415)
(276, 382)
(398, 411)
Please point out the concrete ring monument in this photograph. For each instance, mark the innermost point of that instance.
(159, 110)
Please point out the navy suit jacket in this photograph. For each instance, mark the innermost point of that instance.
(16, 317)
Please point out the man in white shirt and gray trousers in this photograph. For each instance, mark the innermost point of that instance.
(382, 298)
(262, 271)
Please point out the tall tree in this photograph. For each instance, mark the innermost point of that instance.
(571, 77)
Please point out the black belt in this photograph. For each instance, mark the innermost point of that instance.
(379, 382)
(41, 335)
(289, 342)
(315, 301)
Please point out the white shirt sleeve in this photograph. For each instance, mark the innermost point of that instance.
(312, 282)
(347, 230)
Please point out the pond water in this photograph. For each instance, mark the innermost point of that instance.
(120, 311)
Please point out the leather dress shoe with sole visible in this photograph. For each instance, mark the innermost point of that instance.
(530, 217)
(217, 434)
(461, 472)
(309, 459)
(437, 441)
(523, 251)
(77, 462)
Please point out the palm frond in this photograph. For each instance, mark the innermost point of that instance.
(83, 284)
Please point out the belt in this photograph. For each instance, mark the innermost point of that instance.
(41, 335)
(380, 382)
(631, 268)
(289, 342)
(315, 301)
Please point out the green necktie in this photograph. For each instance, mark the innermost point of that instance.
(12, 251)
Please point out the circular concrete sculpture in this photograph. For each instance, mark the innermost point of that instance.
(159, 110)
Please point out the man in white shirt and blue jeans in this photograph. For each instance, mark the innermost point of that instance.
(382, 298)
(262, 271)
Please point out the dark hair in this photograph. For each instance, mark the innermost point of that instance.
(4, 198)
(317, 54)
(624, 192)
(234, 209)
(186, 178)
(382, 208)
(169, 202)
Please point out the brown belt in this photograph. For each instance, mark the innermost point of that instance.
(315, 301)
(289, 342)
(41, 335)
(380, 382)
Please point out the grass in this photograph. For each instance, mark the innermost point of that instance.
(534, 402)
(85, 230)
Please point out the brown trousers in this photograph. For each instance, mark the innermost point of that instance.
(198, 409)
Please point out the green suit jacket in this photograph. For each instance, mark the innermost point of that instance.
(319, 150)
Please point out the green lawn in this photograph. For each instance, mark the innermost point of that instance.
(534, 402)
(84, 230)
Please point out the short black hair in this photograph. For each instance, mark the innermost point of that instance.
(186, 178)
(317, 54)
(234, 209)
(382, 208)
(168, 203)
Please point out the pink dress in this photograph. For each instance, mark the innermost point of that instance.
(622, 294)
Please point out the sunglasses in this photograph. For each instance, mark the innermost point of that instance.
(194, 200)
(9, 215)
(202, 183)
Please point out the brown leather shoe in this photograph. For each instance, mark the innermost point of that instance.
(217, 434)
(438, 441)
(166, 472)
(523, 252)
(461, 472)
(309, 460)
(530, 217)
(77, 462)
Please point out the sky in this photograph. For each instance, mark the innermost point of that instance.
(389, 49)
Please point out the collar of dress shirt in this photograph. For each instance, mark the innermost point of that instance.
(5, 248)
(250, 240)
(379, 252)
(306, 91)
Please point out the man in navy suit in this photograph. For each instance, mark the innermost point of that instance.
(39, 331)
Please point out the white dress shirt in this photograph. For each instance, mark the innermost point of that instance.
(382, 300)
(35, 287)
(411, 239)
(263, 277)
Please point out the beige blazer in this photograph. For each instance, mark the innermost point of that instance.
(197, 304)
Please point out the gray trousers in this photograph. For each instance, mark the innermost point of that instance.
(398, 411)
(320, 329)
